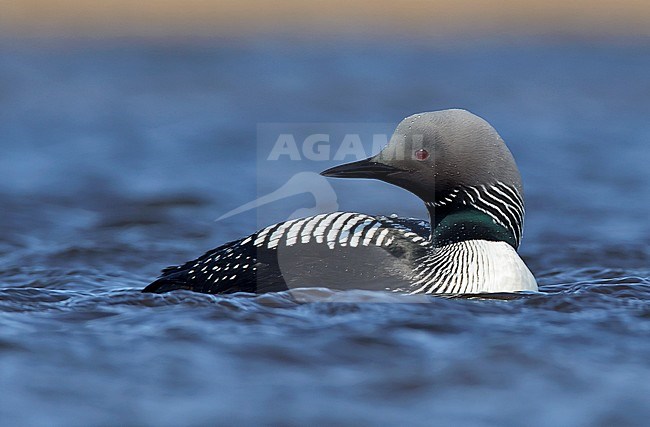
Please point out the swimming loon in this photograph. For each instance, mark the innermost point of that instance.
(455, 162)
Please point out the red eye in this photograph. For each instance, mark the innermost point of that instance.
(422, 154)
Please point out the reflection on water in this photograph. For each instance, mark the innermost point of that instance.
(117, 158)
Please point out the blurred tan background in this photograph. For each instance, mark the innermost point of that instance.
(231, 17)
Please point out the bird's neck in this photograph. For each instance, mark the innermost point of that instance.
(472, 266)
(453, 224)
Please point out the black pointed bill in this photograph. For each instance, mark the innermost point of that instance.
(362, 169)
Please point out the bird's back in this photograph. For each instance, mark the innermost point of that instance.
(341, 250)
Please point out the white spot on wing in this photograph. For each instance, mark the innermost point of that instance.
(292, 235)
(320, 230)
(382, 236)
(370, 234)
(306, 234)
(345, 232)
(337, 227)
(279, 233)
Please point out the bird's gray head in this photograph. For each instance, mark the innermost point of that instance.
(459, 166)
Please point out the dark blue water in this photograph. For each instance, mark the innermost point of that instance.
(116, 157)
